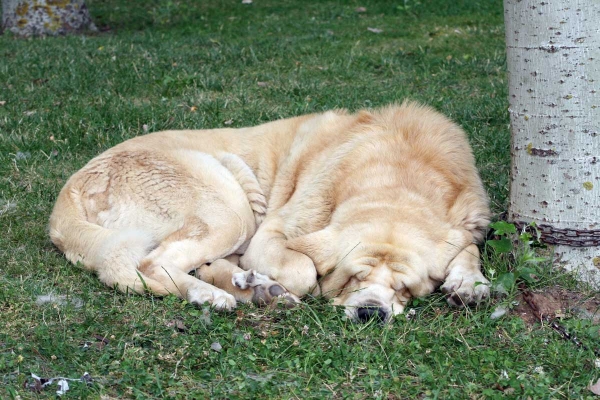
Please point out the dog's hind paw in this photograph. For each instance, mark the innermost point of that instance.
(266, 290)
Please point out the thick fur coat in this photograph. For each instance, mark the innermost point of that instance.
(369, 209)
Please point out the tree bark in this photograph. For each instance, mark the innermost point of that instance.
(45, 17)
(553, 57)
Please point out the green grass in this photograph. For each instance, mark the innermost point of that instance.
(207, 64)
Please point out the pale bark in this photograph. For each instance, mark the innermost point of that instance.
(553, 57)
(45, 17)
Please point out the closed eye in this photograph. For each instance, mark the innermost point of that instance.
(370, 261)
(398, 267)
(363, 272)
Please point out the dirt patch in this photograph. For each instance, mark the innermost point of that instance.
(557, 302)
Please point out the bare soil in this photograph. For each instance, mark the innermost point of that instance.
(557, 302)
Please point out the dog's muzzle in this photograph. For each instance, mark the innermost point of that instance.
(369, 312)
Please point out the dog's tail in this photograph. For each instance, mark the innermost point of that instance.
(113, 254)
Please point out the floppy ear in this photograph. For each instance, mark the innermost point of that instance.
(319, 246)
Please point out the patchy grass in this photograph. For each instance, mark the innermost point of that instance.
(192, 64)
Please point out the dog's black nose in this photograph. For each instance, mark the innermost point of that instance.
(366, 313)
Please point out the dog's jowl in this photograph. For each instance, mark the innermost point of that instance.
(369, 209)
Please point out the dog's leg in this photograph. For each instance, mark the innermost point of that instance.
(245, 286)
(184, 250)
(465, 284)
(269, 255)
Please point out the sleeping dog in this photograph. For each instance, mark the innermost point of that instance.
(369, 209)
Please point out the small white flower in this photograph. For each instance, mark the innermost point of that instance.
(504, 374)
(539, 370)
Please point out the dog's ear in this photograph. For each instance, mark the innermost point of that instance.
(320, 247)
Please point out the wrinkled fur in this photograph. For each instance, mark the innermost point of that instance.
(369, 208)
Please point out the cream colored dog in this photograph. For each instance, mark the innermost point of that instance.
(369, 209)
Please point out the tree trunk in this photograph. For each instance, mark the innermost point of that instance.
(553, 57)
(45, 17)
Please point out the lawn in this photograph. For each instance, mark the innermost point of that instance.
(158, 65)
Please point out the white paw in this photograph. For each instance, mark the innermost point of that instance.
(217, 298)
(464, 290)
(250, 278)
(266, 290)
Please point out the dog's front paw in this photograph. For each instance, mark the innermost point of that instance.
(461, 291)
(216, 297)
(266, 290)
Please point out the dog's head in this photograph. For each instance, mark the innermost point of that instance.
(374, 269)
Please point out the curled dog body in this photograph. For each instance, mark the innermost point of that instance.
(369, 209)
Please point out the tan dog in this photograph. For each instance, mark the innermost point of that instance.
(369, 209)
